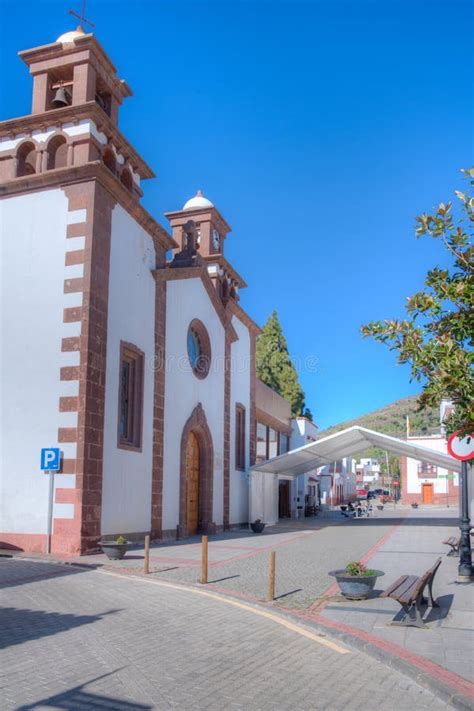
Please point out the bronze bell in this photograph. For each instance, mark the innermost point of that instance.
(61, 98)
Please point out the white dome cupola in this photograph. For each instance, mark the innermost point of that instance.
(69, 37)
(197, 202)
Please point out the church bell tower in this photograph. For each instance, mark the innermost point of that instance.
(70, 188)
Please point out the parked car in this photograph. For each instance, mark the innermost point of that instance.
(361, 494)
(378, 492)
(371, 495)
(386, 492)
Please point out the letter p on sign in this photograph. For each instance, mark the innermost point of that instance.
(50, 459)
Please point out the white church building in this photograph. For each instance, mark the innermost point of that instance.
(122, 344)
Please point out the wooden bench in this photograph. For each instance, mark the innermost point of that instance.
(454, 543)
(408, 592)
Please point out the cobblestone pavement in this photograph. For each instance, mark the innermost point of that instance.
(238, 561)
(74, 639)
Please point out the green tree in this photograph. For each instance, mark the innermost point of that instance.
(274, 366)
(436, 338)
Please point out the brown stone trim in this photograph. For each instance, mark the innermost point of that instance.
(94, 170)
(227, 383)
(243, 316)
(68, 466)
(70, 344)
(83, 531)
(72, 314)
(158, 408)
(89, 110)
(165, 273)
(76, 257)
(272, 422)
(200, 272)
(219, 307)
(68, 403)
(67, 434)
(73, 286)
(253, 408)
(197, 423)
(77, 229)
(69, 372)
(67, 496)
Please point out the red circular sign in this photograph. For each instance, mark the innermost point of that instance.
(461, 447)
(395, 483)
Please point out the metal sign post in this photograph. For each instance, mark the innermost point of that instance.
(465, 553)
(50, 511)
(50, 463)
(462, 448)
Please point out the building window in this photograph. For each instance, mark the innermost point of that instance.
(284, 443)
(272, 443)
(199, 348)
(130, 414)
(240, 437)
(427, 470)
(262, 454)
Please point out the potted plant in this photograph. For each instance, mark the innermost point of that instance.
(115, 550)
(355, 580)
(414, 504)
(257, 526)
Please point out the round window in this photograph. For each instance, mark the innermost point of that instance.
(199, 348)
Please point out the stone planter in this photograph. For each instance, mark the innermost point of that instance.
(379, 507)
(414, 505)
(257, 526)
(355, 587)
(114, 551)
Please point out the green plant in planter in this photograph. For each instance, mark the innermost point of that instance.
(121, 541)
(356, 568)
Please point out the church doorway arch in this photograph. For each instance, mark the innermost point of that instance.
(196, 476)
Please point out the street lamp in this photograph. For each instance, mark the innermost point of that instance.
(465, 554)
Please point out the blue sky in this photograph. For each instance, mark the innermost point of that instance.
(318, 129)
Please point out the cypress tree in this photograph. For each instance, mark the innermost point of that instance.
(274, 366)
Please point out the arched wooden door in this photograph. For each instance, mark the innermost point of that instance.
(192, 483)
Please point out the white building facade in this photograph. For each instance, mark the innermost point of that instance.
(139, 367)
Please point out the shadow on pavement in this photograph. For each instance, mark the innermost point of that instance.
(20, 572)
(77, 698)
(22, 625)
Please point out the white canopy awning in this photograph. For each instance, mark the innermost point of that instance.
(345, 444)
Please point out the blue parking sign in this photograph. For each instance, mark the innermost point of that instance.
(50, 459)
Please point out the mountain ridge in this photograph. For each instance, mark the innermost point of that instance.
(391, 419)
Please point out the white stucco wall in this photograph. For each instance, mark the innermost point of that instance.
(126, 494)
(188, 299)
(263, 497)
(414, 483)
(239, 393)
(33, 245)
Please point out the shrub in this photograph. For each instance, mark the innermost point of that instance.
(356, 568)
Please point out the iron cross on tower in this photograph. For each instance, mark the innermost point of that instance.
(82, 17)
